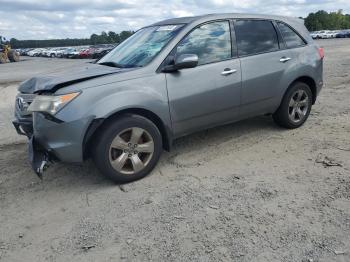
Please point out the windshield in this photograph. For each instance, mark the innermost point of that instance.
(139, 49)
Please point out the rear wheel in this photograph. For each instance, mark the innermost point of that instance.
(13, 56)
(128, 149)
(295, 107)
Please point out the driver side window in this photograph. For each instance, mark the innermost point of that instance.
(210, 42)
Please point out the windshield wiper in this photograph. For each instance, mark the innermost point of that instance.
(112, 64)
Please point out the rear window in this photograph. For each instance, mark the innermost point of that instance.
(255, 36)
(291, 38)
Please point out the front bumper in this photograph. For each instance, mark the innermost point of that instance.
(38, 156)
(64, 140)
(53, 140)
(23, 127)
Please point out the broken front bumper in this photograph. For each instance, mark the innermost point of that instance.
(38, 156)
(53, 140)
(24, 128)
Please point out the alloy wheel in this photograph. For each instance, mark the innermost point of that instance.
(131, 150)
(298, 106)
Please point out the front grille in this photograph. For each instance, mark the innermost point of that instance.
(23, 101)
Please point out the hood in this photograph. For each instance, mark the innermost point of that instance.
(56, 80)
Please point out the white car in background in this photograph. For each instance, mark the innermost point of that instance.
(53, 52)
(315, 34)
(325, 34)
(35, 52)
(60, 51)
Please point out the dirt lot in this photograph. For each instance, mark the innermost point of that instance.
(244, 192)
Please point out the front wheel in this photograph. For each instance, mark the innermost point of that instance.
(295, 107)
(128, 148)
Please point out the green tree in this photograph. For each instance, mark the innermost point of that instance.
(321, 20)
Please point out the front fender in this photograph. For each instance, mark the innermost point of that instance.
(102, 101)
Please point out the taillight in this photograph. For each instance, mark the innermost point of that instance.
(321, 52)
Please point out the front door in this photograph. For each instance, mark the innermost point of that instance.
(210, 93)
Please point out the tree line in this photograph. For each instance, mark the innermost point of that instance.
(95, 39)
(322, 20)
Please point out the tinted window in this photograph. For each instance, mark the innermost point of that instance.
(255, 36)
(210, 42)
(291, 38)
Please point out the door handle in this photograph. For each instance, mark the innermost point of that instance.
(228, 71)
(285, 59)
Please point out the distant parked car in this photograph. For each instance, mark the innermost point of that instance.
(60, 51)
(86, 53)
(24, 51)
(49, 52)
(334, 33)
(35, 52)
(326, 34)
(315, 34)
(52, 52)
(101, 52)
(343, 34)
(71, 53)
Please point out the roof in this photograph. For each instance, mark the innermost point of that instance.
(187, 20)
(296, 23)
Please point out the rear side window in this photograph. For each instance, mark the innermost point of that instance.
(210, 42)
(255, 36)
(291, 38)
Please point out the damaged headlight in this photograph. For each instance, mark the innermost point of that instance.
(51, 104)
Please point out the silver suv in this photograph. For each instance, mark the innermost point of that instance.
(170, 79)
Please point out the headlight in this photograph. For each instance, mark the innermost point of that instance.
(51, 104)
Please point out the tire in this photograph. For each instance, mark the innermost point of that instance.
(2, 58)
(121, 162)
(13, 56)
(295, 107)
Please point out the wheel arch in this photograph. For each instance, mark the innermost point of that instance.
(97, 125)
(310, 82)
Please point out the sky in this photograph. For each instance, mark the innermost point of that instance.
(47, 19)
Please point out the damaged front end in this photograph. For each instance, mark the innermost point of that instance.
(39, 158)
(37, 155)
(51, 139)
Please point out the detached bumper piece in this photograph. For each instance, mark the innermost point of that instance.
(24, 128)
(38, 157)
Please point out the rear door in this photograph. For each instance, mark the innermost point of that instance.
(263, 63)
(294, 44)
(208, 94)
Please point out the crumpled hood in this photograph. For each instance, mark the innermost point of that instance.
(56, 80)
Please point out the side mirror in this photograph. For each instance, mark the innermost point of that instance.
(181, 62)
(186, 61)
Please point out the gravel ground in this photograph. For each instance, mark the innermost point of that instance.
(249, 191)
